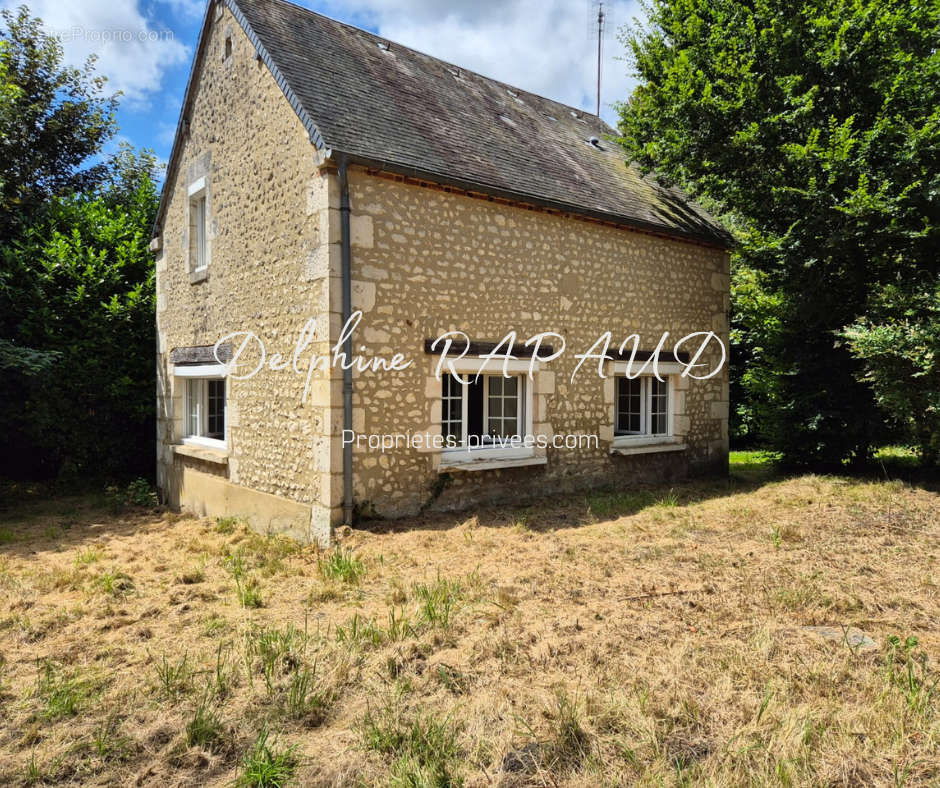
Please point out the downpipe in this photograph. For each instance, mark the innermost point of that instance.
(345, 264)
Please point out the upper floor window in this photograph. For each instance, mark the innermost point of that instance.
(642, 407)
(198, 226)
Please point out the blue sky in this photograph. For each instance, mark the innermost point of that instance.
(145, 48)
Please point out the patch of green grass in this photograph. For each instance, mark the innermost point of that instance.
(35, 773)
(274, 652)
(7, 536)
(89, 556)
(424, 748)
(908, 671)
(751, 466)
(266, 553)
(437, 602)
(360, 631)
(669, 500)
(226, 525)
(399, 625)
(114, 583)
(521, 521)
(249, 592)
(341, 565)
(107, 742)
(204, 728)
(265, 765)
(174, 678)
(214, 626)
(62, 695)
(453, 679)
(569, 743)
(247, 588)
(305, 700)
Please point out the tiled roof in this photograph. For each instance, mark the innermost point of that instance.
(403, 111)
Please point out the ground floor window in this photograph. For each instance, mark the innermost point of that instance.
(205, 409)
(642, 406)
(489, 410)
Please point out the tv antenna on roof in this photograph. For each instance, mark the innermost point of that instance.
(599, 23)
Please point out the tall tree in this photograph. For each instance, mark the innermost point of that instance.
(53, 118)
(813, 126)
(76, 276)
(78, 296)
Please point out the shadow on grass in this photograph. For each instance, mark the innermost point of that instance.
(36, 518)
(747, 472)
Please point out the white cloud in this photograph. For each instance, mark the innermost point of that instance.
(193, 9)
(133, 50)
(166, 133)
(547, 47)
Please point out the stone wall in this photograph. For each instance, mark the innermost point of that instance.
(426, 261)
(267, 209)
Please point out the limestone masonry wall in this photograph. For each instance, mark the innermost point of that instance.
(424, 261)
(266, 201)
(427, 261)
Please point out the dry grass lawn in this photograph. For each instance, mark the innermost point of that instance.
(654, 637)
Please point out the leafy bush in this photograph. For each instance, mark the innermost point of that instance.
(76, 276)
(900, 349)
(811, 128)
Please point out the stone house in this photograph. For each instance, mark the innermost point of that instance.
(320, 173)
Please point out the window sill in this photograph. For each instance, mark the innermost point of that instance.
(488, 463)
(198, 276)
(204, 453)
(627, 448)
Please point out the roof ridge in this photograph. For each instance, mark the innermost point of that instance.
(570, 107)
(427, 127)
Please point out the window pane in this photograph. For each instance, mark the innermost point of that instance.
(452, 410)
(659, 407)
(216, 409)
(201, 232)
(503, 406)
(629, 419)
(193, 406)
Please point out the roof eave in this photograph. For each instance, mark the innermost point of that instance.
(718, 239)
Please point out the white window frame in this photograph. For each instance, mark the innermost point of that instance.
(199, 202)
(469, 367)
(202, 372)
(668, 372)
